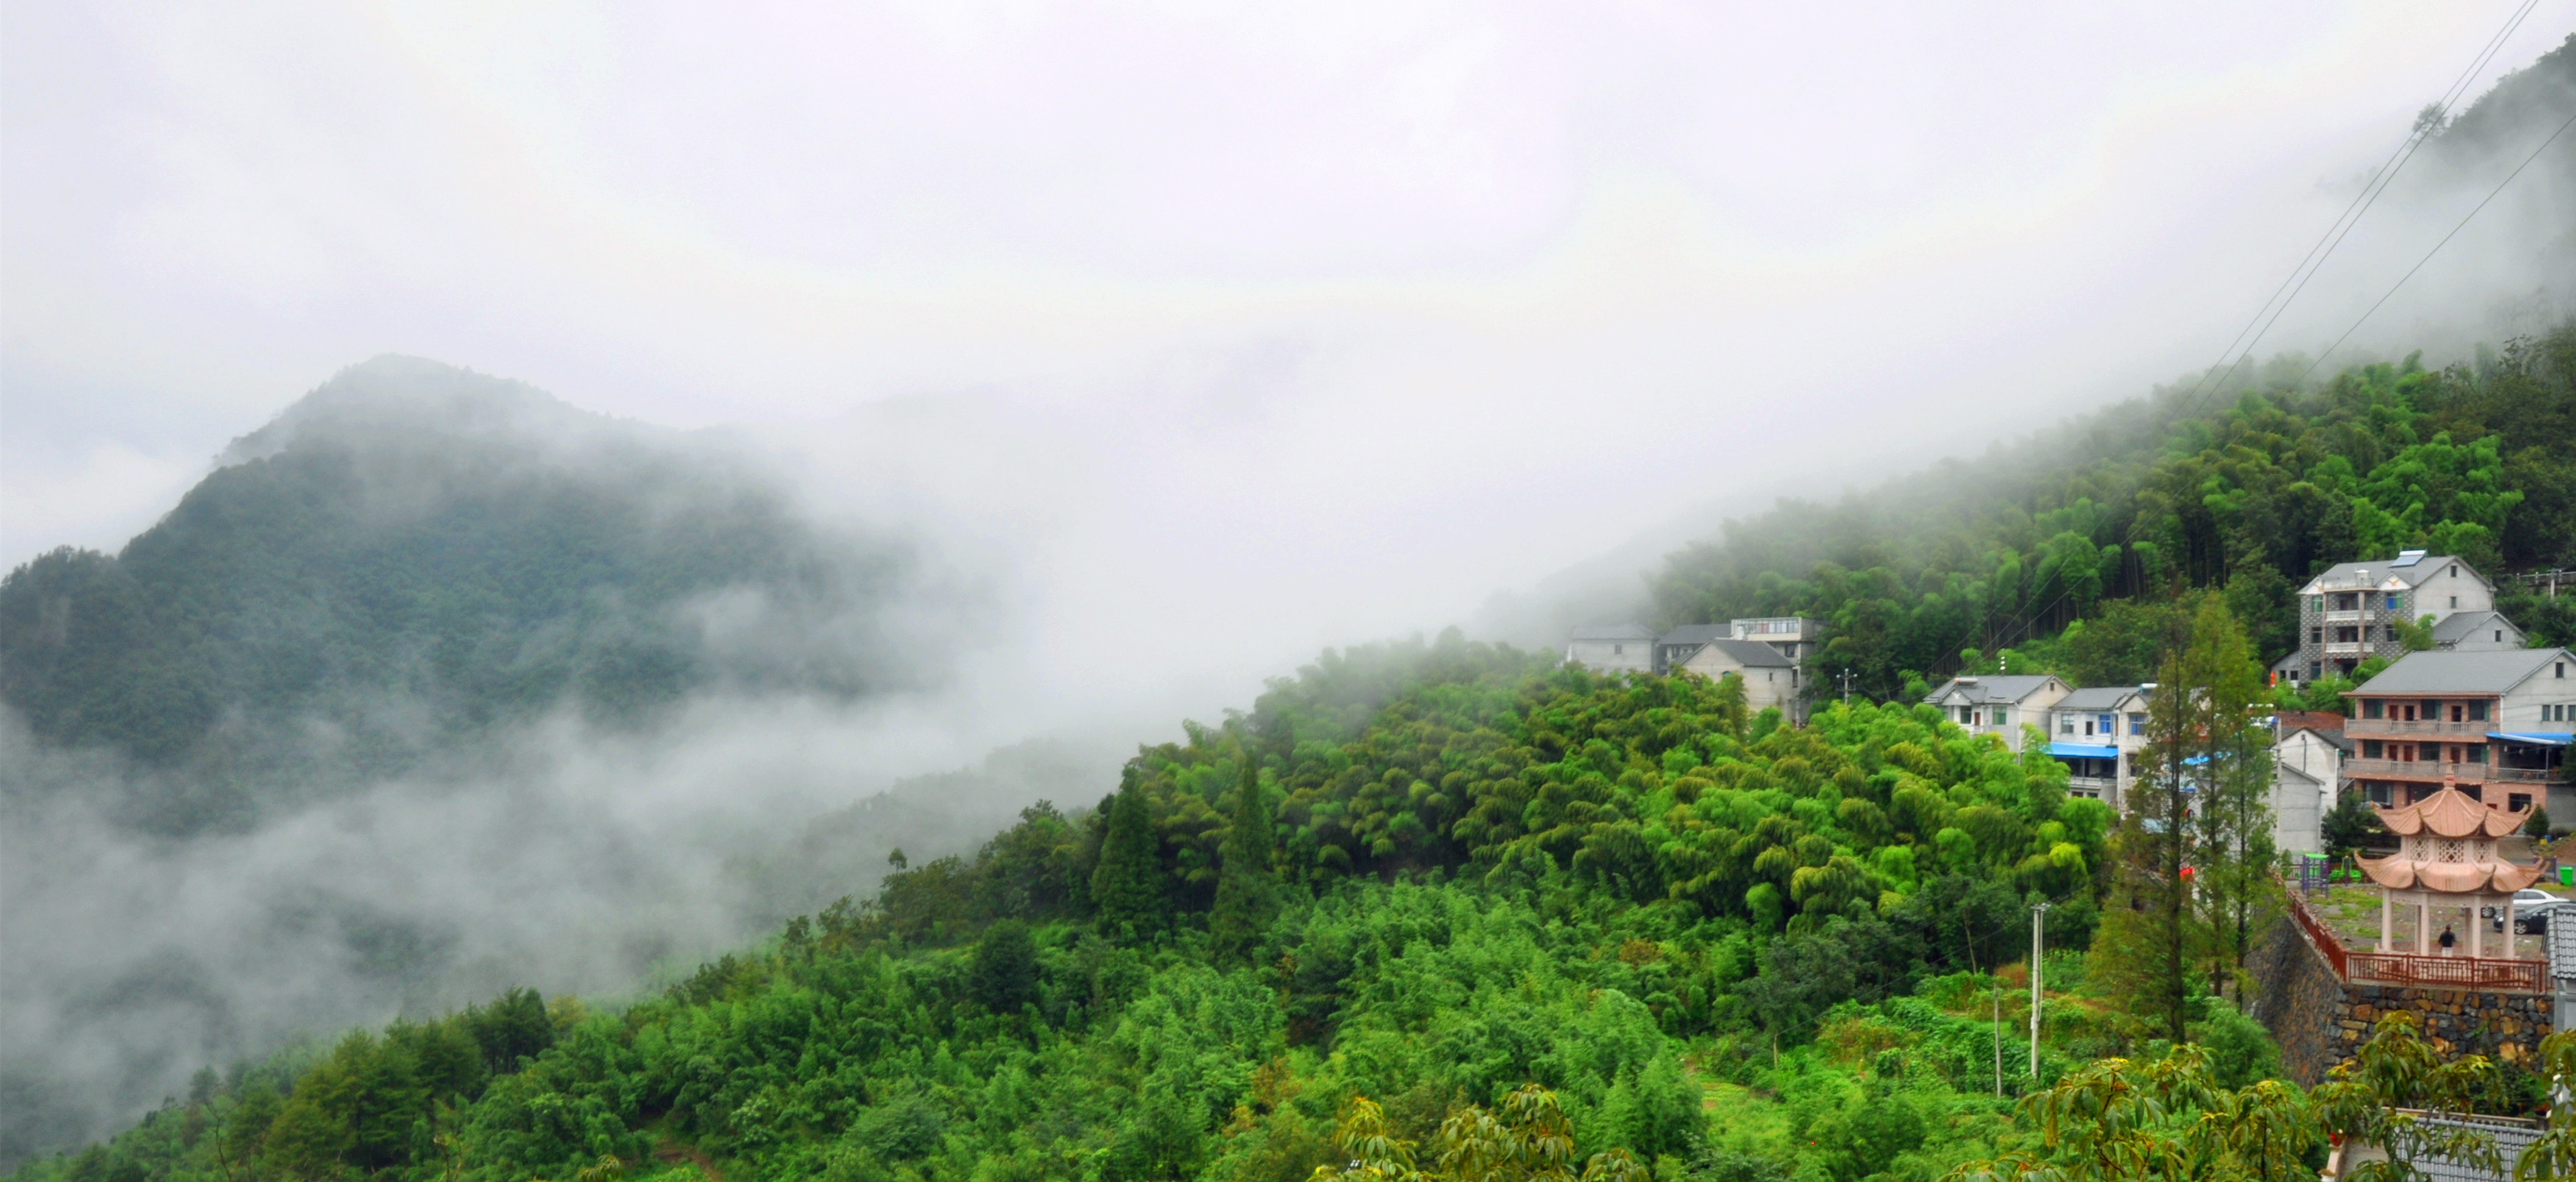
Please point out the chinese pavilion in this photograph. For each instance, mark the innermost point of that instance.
(2448, 859)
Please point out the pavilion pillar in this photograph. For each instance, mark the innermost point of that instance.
(2423, 922)
(2387, 915)
(2477, 931)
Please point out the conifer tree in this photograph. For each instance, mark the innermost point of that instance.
(1127, 886)
(1247, 887)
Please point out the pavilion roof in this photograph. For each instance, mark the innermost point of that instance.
(2450, 813)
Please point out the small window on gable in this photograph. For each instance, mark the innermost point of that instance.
(2455, 601)
(2454, 572)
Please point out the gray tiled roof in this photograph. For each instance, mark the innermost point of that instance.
(2347, 576)
(1752, 654)
(2459, 626)
(1999, 687)
(2097, 698)
(1694, 634)
(1613, 632)
(2462, 672)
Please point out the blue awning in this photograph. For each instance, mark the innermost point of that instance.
(2539, 739)
(2082, 751)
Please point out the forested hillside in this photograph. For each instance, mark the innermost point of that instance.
(2274, 482)
(414, 553)
(1445, 896)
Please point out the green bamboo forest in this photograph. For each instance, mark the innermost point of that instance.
(1448, 909)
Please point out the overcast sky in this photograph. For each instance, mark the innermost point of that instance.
(1341, 316)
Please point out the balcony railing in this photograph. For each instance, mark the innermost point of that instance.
(2097, 786)
(2401, 726)
(2350, 617)
(2347, 648)
(2484, 973)
(2415, 769)
(2528, 775)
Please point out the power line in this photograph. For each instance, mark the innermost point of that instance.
(2023, 617)
(2315, 260)
(2437, 247)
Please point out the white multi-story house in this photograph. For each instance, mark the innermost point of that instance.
(1999, 704)
(1770, 678)
(2307, 771)
(1610, 648)
(2096, 732)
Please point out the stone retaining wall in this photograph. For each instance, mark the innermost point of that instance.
(2319, 1020)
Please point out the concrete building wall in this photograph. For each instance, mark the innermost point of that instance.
(1611, 656)
(1764, 686)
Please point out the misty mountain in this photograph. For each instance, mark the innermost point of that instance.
(414, 553)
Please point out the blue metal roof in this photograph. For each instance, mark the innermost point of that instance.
(2539, 738)
(2082, 751)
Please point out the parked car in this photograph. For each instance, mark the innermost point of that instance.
(2532, 909)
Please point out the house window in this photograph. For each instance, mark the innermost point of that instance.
(2105, 720)
(2137, 724)
(2348, 635)
(2478, 711)
(2562, 669)
(2458, 714)
(1999, 716)
(2370, 749)
(2454, 572)
(2065, 724)
(2376, 792)
(2516, 802)
(2316, 669)
(2370, 708)
(2455, 601)
(2478, 753)
(2392, 603)
(1618, 648)
(2499, 639)
(1966, 716)
(2316, 636)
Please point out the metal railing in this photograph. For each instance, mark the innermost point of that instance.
(2482, 973)
(2401, 726)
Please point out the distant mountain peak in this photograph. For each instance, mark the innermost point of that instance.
(399, 400)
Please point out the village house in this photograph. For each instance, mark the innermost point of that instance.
(1999, 704)
(1770, 679)
(2307, 772)
(2497, 723)
(2096, 733)
(1613, 648)
(2476, 632)
(2351, 612)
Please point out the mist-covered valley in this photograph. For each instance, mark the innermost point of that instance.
(433, 684)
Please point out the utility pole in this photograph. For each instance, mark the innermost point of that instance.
(2038, 922)
(1847, 685)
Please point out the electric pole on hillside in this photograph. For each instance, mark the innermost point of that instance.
(2038, 921)
(1847, 685)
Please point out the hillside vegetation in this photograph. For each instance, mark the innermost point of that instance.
(2275, 483)
(413, 554)
(1404, 887)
